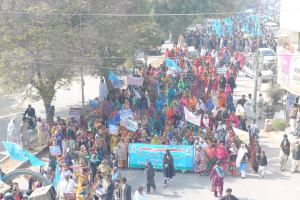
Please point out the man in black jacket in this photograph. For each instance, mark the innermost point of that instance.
(285, 152)
(228, 195)
(296, 157)
(124, 190)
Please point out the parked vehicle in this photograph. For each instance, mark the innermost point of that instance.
(268, 55)
(268, 111)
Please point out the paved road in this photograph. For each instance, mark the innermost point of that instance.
(13, 107)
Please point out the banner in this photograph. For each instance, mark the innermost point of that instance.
(133, 80)
(113, 129)
(55, 150)
(131, 125)
(288, 70)
(242, 135)
(139, 153)
(75, 112)
(190, 117)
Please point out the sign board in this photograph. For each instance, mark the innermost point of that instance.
(133, 80)
(131, 125)
(75, 112)
(290, 100)
(118, 83)
(55, 150)
(190, 117)
(139, 153)
(113, 129)
(124, 115)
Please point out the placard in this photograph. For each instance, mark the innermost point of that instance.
(131, 125)
(55, 150)
(113, 129)
(133, 80)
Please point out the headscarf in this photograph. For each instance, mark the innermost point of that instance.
(11, 127)
(155, 140)
(242, 151)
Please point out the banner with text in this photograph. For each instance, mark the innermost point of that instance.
(183, 156)
(190, 117)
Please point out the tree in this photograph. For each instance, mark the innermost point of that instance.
(44, 43)
(177, 24)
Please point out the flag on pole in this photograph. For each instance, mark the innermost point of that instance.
(15, 152)
(172, 65)
(57, 175)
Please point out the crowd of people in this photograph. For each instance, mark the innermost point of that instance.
(91, 159)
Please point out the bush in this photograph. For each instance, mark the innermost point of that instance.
(276, 94)
(279, 124)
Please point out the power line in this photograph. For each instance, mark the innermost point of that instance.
(126, 14)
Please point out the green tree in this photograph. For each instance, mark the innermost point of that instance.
(177, 24)
(44, 43)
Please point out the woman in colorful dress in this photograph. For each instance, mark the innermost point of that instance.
(216, 177)
(232, 159)
(222, 155)
(210, 152)
(200, 161)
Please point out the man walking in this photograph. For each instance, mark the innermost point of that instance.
(293, 115)
(149, 171)
(124, 190)
(260, 106)
(284, 152)
(296, 158)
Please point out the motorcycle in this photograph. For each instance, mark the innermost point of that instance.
(268, 111)
(31, 121)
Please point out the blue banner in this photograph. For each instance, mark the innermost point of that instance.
(183, 156)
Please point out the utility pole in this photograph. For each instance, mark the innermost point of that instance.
(257, 70)
(82, 86)
(81, 68)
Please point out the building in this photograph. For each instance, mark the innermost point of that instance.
(288, 47)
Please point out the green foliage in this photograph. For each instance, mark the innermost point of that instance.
(177, 24)
(276, 93)
(279, 124)
(39, 53)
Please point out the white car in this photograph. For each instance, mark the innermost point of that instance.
(248, 70)
(266, 75)
(268, 55)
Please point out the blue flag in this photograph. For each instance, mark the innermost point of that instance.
(172, 64)
(35, 161)
(15, 152)
(57, 175)
(112, 77)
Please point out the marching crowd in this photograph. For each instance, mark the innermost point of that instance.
(91, 158)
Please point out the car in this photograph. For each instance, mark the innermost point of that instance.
(248, 69)
(268, 55)
(266, 75)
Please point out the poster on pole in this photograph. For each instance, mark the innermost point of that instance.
(133, 80)
(131, 125)
(113, 129)
(55, 150)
